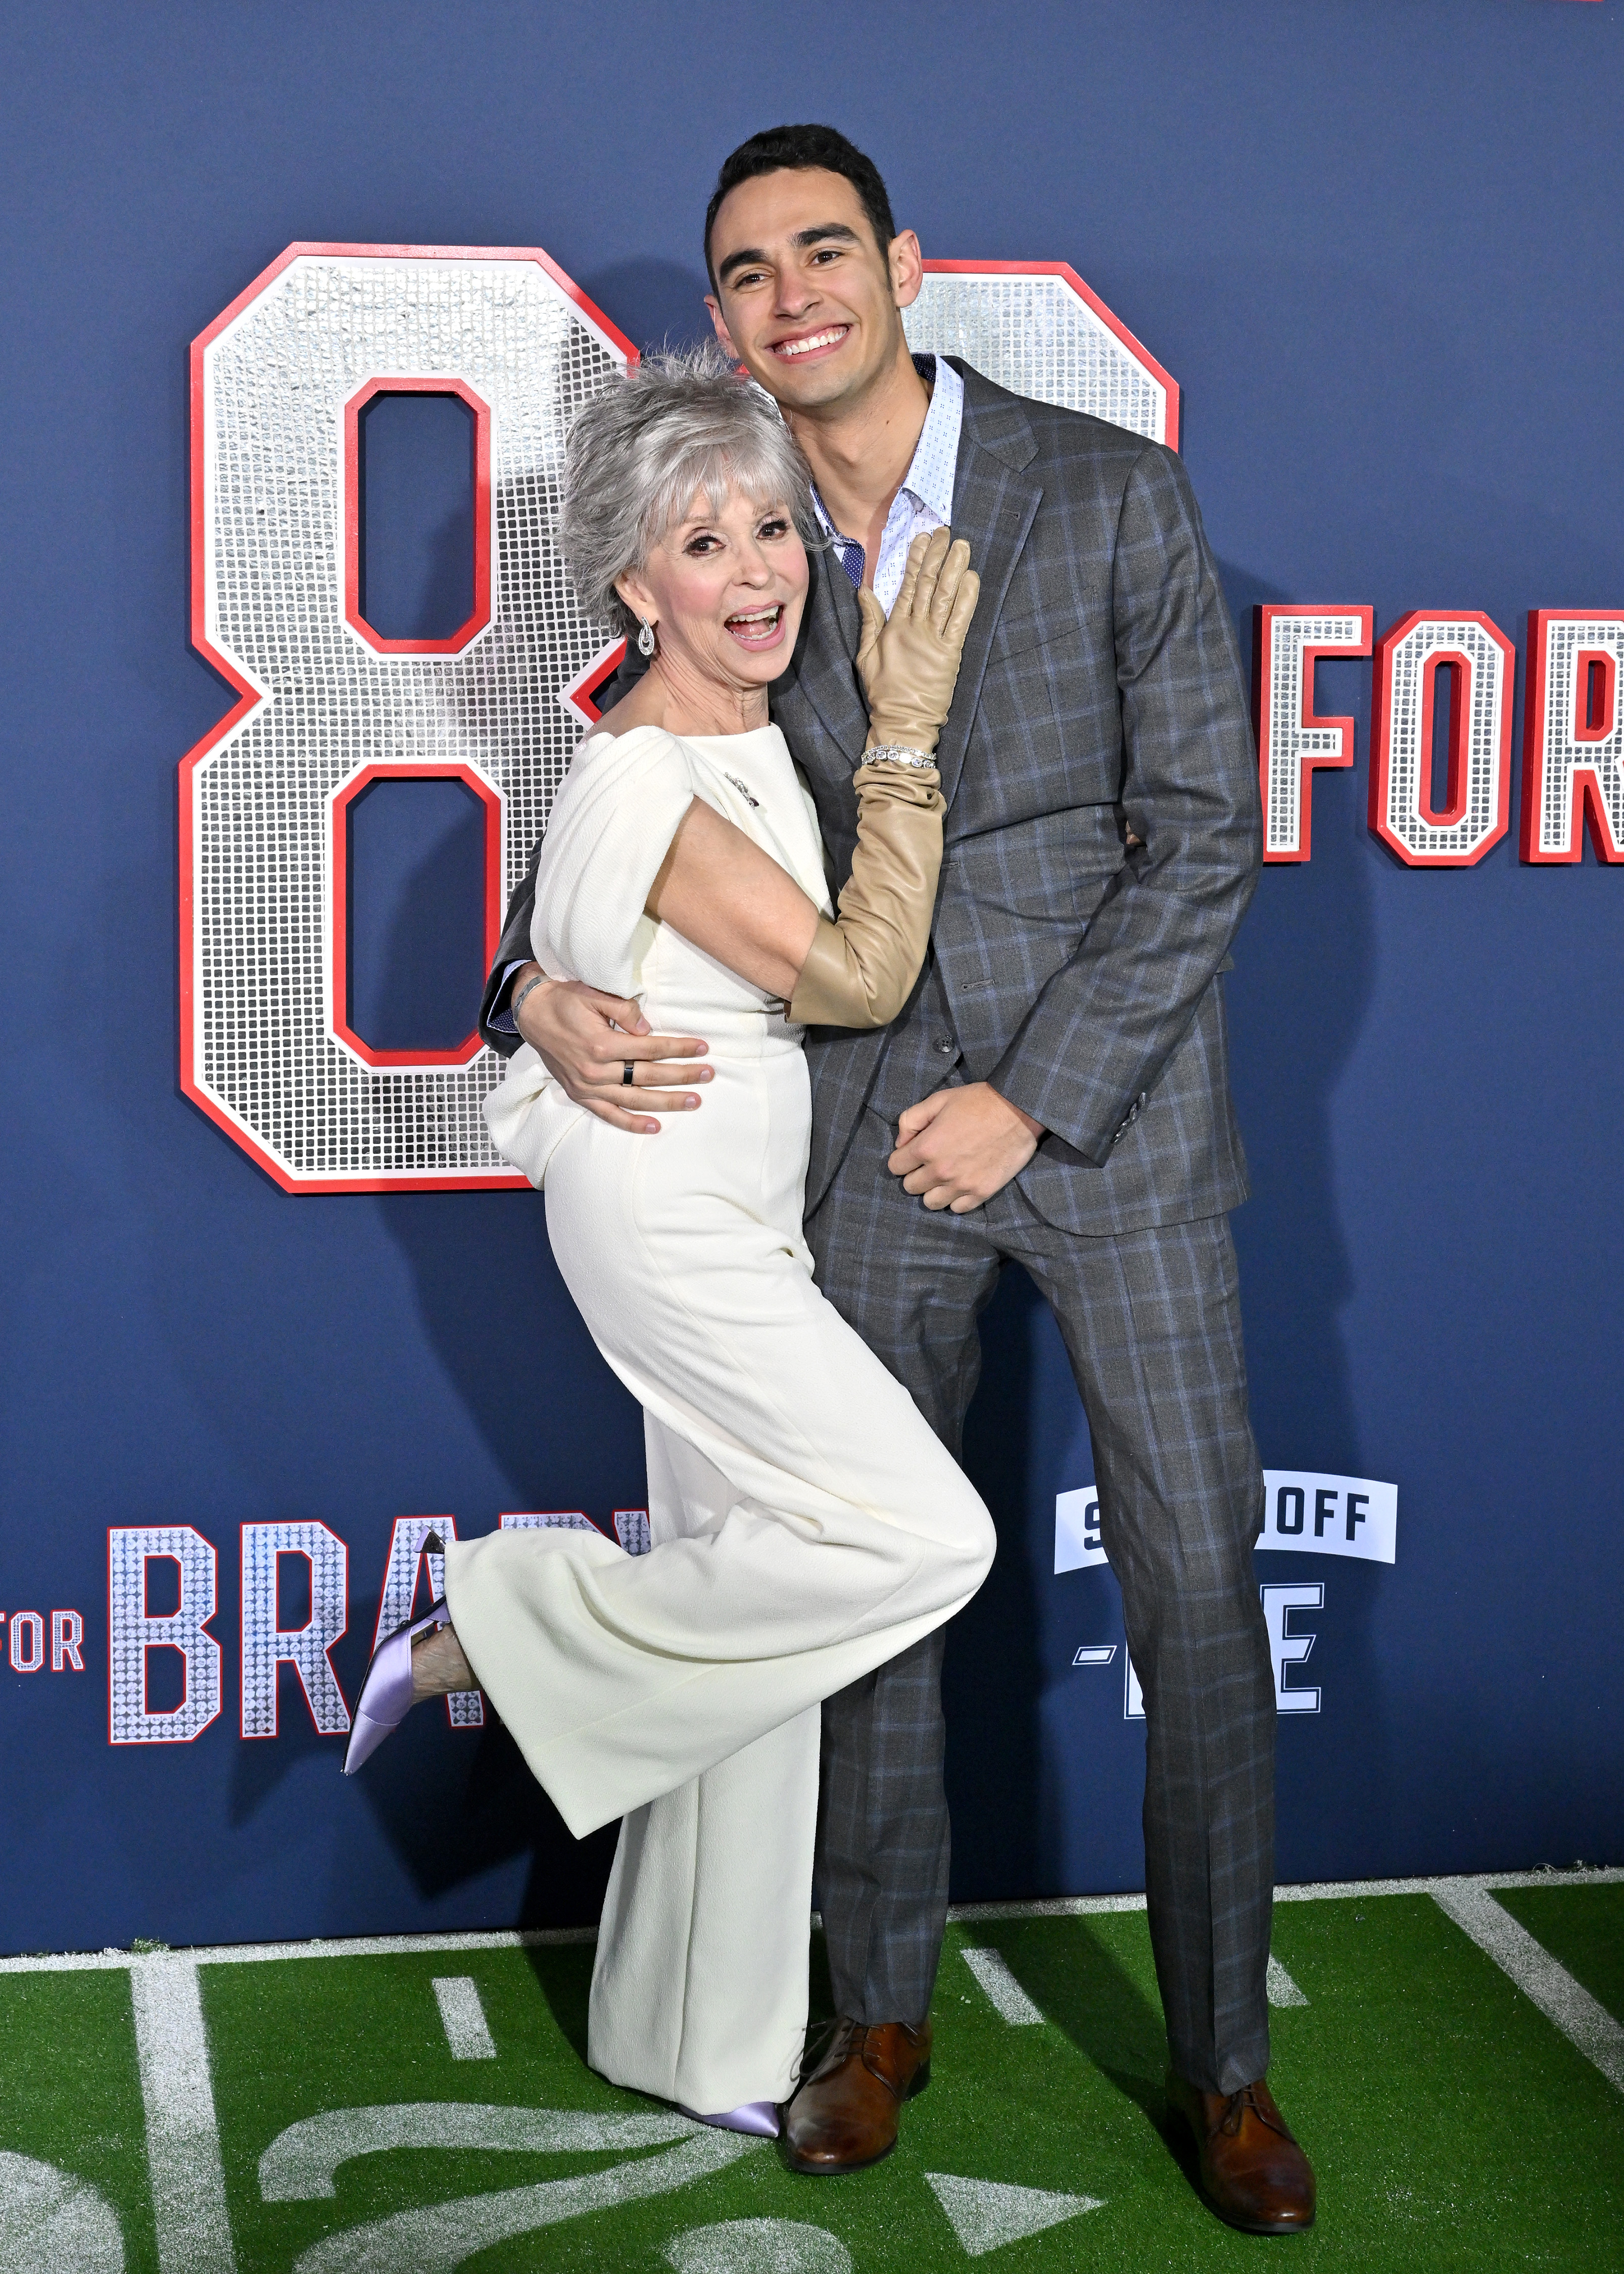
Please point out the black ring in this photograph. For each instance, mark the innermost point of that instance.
(626, 1077)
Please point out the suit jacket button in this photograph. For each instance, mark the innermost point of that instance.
(944, 1044)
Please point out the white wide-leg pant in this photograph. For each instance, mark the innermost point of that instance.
(808, 1526)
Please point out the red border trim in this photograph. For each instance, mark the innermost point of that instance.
(1587, 808)
(1602, 660)
(580, 697)
(1262, 709)
(1112, 321)
(476, 623)
(1381, 732)
(338, 841)
(248, 698)
(1456, 661)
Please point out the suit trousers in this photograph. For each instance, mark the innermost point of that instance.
(1151, 1320)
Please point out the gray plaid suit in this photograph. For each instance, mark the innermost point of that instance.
(1099, 695)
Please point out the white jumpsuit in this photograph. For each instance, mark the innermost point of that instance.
(807, 1525)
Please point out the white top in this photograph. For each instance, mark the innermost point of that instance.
(611, 827)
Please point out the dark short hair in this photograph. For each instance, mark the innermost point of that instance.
(802, 149)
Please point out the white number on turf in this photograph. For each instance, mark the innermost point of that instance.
(758, 2245)
(300, 2163)
(50, 2221)
(441, 2236)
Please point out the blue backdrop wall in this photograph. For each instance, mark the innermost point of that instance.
(1378, 243)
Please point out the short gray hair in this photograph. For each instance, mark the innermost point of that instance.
(668, 428)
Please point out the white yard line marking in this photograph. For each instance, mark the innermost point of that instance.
(263, 1953)
(1283, 1990)
(183, 2136)
(468, 2033)
(406, 1945)
(991, 1969)
(1581, 2019)
(1315, 1892)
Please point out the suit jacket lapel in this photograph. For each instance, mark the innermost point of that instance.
(824, 676)
(994, 505)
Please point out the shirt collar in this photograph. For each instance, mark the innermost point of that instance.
(935, 463)
(931, 474)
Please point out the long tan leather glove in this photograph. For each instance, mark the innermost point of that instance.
(909, 666)
(860, 970)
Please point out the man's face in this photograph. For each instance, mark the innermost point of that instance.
(808, 301)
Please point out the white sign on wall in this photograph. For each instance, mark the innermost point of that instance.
(1305, 1511)
(1319, 1515)
(1076, 1531)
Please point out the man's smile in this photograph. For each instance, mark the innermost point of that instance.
(810, 344)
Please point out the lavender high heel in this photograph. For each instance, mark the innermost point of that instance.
(760, 2117)
(385, 1694)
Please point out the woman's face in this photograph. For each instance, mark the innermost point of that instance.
(724, 589)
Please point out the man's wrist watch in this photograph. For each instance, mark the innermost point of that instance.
(897, 754)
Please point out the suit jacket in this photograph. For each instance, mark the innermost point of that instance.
(1100, 694)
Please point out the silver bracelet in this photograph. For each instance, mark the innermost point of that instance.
(513, 1007)
(897, 754)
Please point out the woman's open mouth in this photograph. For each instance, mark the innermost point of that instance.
(757, 627)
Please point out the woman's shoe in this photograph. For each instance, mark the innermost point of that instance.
(760, 2117)
(385, 1694)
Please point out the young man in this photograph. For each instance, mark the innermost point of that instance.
(1056, 1093)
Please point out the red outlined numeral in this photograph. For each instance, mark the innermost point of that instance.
(280, 382)
(467, 633)
(580, 697)
(1037, 328)
(338, 884)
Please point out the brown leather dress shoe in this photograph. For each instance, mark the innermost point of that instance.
(843, 2115)
(1253, 2173)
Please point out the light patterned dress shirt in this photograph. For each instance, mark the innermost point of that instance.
(925, 502)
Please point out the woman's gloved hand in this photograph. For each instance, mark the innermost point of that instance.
(909, 665)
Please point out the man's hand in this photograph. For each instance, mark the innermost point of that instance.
(585, 1040)
(959, 1147)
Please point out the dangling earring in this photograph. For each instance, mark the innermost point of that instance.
(645, 637)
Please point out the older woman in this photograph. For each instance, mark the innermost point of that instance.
(807, 1525)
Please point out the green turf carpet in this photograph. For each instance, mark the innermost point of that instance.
(1451, 2124)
